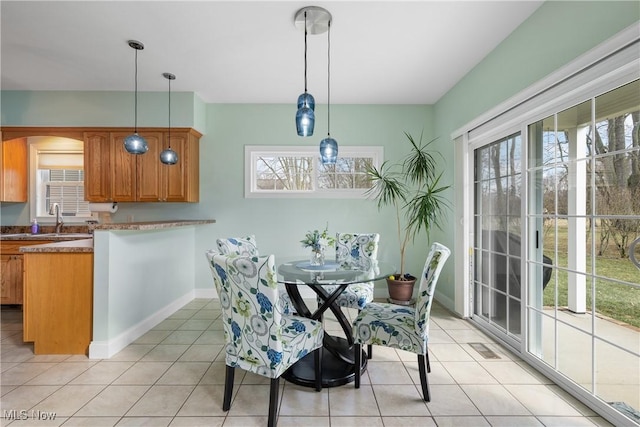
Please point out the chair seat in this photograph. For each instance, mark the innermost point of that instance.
(354, 296)
(299, 336)
(389, 325)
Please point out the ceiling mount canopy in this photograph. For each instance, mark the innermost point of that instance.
(134, 143)
(317, 20)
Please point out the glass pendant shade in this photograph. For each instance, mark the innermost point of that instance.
(135, 144)
(328, 150)
(306, 100)
(305, 121)
(169, 157)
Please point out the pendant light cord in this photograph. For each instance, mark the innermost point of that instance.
(169, 113)
(329, 79)
(305, 51)
(135, 113)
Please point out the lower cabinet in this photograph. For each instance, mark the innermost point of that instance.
(11, 269)
(58, 302)
(11, 287)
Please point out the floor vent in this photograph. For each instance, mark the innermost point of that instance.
(484, 351)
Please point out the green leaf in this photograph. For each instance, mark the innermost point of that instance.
(386, 187)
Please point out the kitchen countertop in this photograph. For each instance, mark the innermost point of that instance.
(84, 245)
(151, 225)
(83, 242)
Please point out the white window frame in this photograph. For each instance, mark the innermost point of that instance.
(253, 152)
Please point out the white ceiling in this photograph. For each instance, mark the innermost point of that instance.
(382, 52)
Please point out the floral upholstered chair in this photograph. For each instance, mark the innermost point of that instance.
(406, 328)
(238, 245)
(361, 251)
(259, 337)
(248, 246)
(358, 250)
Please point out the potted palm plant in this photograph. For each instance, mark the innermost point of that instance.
(412, 187)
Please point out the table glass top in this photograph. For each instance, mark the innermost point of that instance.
(299, 271)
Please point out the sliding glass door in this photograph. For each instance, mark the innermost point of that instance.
(561, 283)
(583, 221)
(498, 228)
(554, 259)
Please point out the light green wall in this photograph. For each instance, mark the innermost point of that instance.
(279, 224)
(109, 109)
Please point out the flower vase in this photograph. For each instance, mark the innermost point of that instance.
(317, 257)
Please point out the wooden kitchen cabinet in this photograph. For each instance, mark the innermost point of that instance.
(112, 174)
(58, 303)
(11, 269)
(123, 169)
(97, 166)
(149, 169)
(157, 182)
(11, 288)
(181, 182)
(13, 176)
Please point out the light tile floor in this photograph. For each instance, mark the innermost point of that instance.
(174, 376)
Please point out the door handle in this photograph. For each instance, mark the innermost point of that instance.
(632, 252)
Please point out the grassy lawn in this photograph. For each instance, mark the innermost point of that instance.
(618, 301)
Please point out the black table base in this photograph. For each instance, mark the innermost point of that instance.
(338, 362)
(335, 372)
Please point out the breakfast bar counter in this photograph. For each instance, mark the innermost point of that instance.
(151, 225)
(143, 272)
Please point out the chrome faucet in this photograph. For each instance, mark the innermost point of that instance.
(55, 210)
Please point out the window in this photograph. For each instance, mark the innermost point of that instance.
(296, 171)
(57, 177)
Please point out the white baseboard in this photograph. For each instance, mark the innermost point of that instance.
(205, 293)
(445, 301)
(106, 349)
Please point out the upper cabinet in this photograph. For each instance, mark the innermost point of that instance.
(13, 177)
(181, 182)
(97, 166)
(112, 174)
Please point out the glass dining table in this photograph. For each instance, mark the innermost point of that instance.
(338, 364)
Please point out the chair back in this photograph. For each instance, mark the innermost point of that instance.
(357, 249)
(246, 246)
(254, 329)
(432, 267)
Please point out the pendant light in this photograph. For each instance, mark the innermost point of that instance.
(305, 116)
(168, 156)
(134, 143)
(313, 20)
(328, 146)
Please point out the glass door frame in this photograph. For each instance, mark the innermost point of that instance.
(605, 67)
